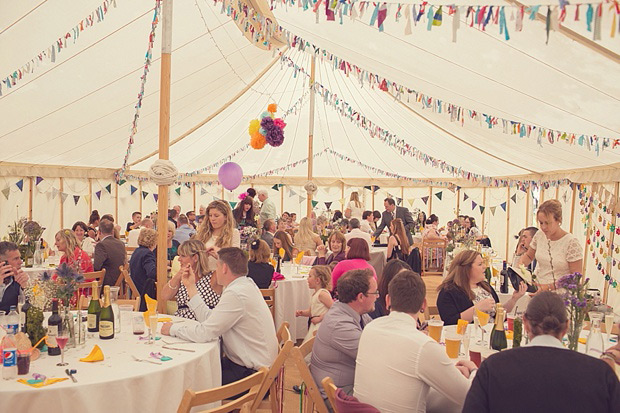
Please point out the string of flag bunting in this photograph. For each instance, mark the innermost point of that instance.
(49, 54)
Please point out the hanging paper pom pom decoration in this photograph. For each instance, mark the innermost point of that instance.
(258, 141)
(267, 129)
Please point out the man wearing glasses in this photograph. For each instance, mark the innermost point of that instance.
(335, 346)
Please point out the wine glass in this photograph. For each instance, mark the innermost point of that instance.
(62, 341)
(609, 324)
(21, 300)
(483, 320)
(152, 327)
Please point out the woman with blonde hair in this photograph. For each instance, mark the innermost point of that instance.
(319, 280)
(465, 290)
(306, 240)
(354, 209)
(398, 244)
(218, 230)
(282, 239)
(72, 254)
(556, 251)
(194, 260)
(259, 268)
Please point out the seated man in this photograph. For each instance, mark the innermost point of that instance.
(12, 277)
(184, 231)
(134, 234)
(241, 318)
(109, 253)
(356, 232)
(397, 364)
(136, 217)
(335, 347)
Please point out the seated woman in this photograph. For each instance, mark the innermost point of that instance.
(282, 240)
(553, 378)
(72, 254)
(259, 268)
(244, 213)
(194, 260)
(93, 224)
(523, 244)
(336, 243)
(431, 230)
(390, 270)
(306, 240)
(398, 244)
(173, 244)
(84, 241)
(465, 290)
(358, 255)
(143, 262)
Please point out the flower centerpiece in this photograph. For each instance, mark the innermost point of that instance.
(573, 289)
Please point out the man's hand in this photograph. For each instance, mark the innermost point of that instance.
(466, 367)
(5, 271)
(21, 278)
(165, 329)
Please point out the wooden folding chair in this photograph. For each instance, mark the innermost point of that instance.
(274, 381)
(330, 389)
(270, 298)
(95, 276)
(433, 256)
(128, 287)
(313, 401)
(251, 384)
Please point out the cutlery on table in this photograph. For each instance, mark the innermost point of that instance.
(179, 349)
(71, 373)
(145, 360)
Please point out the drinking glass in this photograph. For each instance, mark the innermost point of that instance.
(453, 342)
(62, 341)
(21, 300)
(594, 343)
(483, 320)
(137, 324)
(153, 327)
(466, 338)
(434, 329)
(125, 313)
(609, 324)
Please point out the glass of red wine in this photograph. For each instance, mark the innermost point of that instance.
(62, 341)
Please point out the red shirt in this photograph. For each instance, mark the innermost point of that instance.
(86, 264)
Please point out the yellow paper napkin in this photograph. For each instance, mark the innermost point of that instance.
(95, 355)
(509, 335)
(47, 382)
(281, 252)
(151, 305)
(299, 257)
(164, 319)
(461, 326)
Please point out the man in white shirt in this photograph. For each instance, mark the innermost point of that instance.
(397, 365)
(241, 318)
(356, 232)
(268, 209)
(367, 220)
(132, 238)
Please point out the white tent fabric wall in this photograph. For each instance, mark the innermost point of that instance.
(45, 208)
(73, 212)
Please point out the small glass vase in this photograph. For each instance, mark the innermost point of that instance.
(38, 254)
(574, 330)
(69, 327)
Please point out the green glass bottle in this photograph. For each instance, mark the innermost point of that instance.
(94, 309)
(106, 317)
(498, 335)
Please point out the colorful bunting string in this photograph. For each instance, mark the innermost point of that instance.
(49, 55)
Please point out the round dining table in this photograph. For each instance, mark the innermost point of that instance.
(119, 382)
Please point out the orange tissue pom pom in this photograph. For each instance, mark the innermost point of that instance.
(272, 108)
(258, 141)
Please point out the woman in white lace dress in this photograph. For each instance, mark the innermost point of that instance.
(556, 251)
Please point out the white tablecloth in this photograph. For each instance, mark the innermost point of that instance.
(377, 259)
(117, 384)
(35, 272)
(292, 294)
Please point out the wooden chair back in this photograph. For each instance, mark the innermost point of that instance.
(128, 288)
(270, 298)
(251, 384)
(274, 381)
(314, 400)
(96, 276)
(433, 256)
(135, 302)
(330, 389)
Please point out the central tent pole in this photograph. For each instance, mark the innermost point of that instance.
(311, 134)
(164, 151)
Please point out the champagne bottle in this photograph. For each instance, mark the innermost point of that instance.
(498, 335)
(94, 309)
(504, 278)
(106, 317)
(54, 328)
(278, 265)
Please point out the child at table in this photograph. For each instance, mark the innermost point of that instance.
(319, 280)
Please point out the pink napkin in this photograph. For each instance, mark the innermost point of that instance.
(277, 276)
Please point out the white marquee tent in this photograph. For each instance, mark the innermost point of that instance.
(67, 119)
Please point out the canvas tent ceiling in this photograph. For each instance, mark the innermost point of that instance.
(78, 111)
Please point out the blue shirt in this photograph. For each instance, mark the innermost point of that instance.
(183, 233)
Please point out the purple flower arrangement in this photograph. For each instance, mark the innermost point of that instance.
(574, 288)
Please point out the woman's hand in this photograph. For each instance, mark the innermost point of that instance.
(520, 292)
(321, 251)
(485, 305)
(212, 251)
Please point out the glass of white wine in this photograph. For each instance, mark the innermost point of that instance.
(153, 327)
(609, 324)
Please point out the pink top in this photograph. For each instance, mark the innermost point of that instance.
(86, 264)
(347, 265)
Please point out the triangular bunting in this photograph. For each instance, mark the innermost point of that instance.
(473, 205)
(155, 197)
(6, 191)
(63, 197)
(54, 193)
(425, 200)
(38, 180)
(292, 193)
(109, 188)
(275, 187)
(368, 187)
(481, 209)
(76, 199)
(302, 199)
(329, 204)
(411, 201)
(98, 194)
(514, 198)
(87, 199)
(465, 196)
(503, 205)
(203, 191)
(232, 204)
(280, 185)
(178, 191)
(439, 195)
(133, 189)
(144, 194)
(20, 184)
(399, 201)
(493, 210)
(375, 188)
(342, 200)
(314, 204)
(122, 181)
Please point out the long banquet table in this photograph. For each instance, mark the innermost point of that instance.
(119, 383)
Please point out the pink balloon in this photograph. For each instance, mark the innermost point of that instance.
(230, 175)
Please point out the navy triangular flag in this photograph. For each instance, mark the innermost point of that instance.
(465, 196)
(133, 189)
(109, 188)
(473, 205)
(439, 195)
(368, 187)
(399, 201)
(328, 204)
(481, 209)
(503, 205)
(275, 187)
(98, 194)
(20, 184)
(144, 194)
(155, 197)
(76, 199)
(425, 200)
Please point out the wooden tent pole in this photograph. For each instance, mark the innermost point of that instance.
(62, 208)
(527, 208)
(373, 198)
(194, 196)
(164, 150)
(557, 193)
(116, 204)
(311, 134)
(484, 204)
(458, 202)
(610, 251)
(342, 198)
(281, 200)
(572, 208)
(430, 201)
(30, 200)
(140, 196)
(507, 220)
(90, 195)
